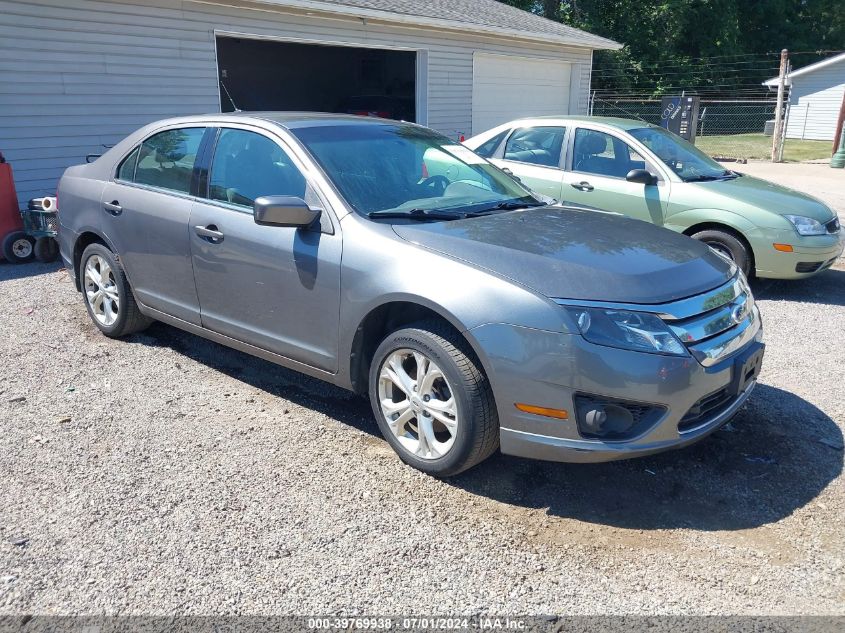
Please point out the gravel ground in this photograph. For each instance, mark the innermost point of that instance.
(165, 474)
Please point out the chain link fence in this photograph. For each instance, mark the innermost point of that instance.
(728, 129)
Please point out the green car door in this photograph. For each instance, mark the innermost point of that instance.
(535, 156)
(597, 167)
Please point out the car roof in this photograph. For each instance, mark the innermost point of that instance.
(289, 120)
(617, 122)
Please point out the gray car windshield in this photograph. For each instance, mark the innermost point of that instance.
(685, 159)
(398, 170)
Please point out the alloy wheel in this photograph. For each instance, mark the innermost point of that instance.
(418, 404)
(101, 290)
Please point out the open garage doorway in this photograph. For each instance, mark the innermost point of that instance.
(261, 75)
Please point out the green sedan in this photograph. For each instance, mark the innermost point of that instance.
(648, 173)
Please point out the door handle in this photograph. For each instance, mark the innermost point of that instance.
(583, 186)
(113, 207)
(209, 233)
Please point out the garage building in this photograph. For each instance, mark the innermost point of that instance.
(76, 75)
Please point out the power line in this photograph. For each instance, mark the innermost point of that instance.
(769, 54)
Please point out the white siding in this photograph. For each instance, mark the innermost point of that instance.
(814, 103)
(77, 74)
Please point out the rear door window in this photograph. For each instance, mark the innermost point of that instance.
(536, 145)
(166, 160)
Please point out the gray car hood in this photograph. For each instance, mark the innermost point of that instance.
(578, 254)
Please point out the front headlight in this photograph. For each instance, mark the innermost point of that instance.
(806, 226)
(637, 331)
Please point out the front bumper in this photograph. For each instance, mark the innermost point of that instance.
(823, 250)
(550, 369)
(550, 448)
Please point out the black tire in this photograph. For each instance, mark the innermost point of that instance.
(46, 249)
(129, 318)
(15, 248)
(727, 244)
(477, 435)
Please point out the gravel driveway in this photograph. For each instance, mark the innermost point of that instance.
(166, 474)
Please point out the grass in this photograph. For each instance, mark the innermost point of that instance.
(760, 146)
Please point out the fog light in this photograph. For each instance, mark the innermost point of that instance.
(611, 419)
(606, 419)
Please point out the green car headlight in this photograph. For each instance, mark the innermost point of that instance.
(637, 331)
(806, 226)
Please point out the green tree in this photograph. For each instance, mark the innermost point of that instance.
(724, 46)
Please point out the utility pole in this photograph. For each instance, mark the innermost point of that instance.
(777, 137)
(838, 159)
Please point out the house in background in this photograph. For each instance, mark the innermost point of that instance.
(815, 96)
(79, 74)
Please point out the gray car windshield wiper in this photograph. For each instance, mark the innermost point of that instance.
(510, 205)
(415, 214)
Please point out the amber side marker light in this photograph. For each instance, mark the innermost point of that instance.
(560, 414)
(783, 248)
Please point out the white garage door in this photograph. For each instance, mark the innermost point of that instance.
(506, 87)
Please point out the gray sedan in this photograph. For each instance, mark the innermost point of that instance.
(387, 259)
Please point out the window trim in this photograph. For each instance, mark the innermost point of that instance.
(561, 165)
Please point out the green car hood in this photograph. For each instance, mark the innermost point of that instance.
(732, 194)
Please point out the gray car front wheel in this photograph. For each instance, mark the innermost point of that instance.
(432, 402)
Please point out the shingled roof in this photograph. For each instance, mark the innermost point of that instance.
(483, 16)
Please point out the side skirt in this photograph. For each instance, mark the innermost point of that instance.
(228, 341)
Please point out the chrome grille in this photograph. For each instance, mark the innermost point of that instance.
(728, 320)
(709, 324)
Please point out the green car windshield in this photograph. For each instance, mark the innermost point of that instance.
(685, 159)
(402, 169)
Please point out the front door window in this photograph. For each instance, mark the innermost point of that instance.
(247, 165)
(601, 154)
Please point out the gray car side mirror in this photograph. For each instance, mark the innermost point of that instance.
(284, 211)
(642, 176)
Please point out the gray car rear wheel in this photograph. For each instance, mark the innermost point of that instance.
(107, 295)
(433, 403)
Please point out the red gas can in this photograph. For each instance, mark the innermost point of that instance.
(10, 215)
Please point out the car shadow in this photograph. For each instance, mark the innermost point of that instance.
(343, 405)
(10, 272)
(827, 288)
(776, 456)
